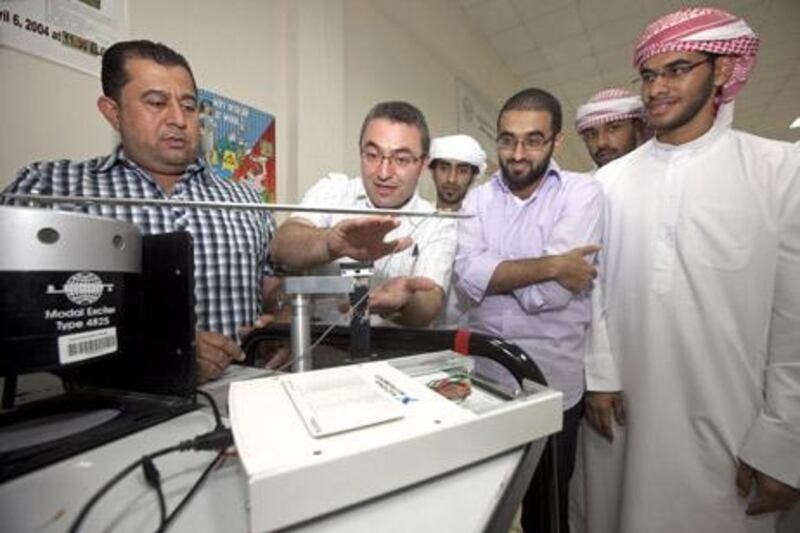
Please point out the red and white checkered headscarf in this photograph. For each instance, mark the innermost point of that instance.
(703, 29)
(608, 106)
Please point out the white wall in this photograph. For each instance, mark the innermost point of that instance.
(48, 112)
(415, 50)
(236, 48)
(317, 65)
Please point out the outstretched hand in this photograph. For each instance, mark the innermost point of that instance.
(362, 238)
(390, 297)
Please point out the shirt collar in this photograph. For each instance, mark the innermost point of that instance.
(721, 125)
(118, 157)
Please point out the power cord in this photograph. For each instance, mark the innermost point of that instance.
(153, 478)
(214, 407)
(220, 438)
(189, 495)
(110, 484)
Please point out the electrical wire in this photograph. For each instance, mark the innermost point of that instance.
(166, 521)
(220, 438)
(189, 495)
(214, 407)
(112, 482)
(153, 478)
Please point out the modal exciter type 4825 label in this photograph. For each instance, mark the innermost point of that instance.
(58, 318)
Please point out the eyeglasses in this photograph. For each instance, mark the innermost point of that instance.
(532, 143)
(374, 158)
(670, 72)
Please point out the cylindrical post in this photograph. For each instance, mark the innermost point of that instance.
(301, 333)
(359, 323)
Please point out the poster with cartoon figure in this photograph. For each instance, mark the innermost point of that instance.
(238, 142)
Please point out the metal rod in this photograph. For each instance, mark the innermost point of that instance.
(247, 206)
(301, 333)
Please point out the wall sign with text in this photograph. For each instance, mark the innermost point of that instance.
(72, 32)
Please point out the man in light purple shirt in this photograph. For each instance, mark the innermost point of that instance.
(524, 262)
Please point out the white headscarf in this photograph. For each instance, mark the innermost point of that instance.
(459, 148)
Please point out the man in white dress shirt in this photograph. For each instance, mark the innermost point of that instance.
(412, 268)
(698, 319)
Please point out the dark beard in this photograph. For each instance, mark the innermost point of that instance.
(694, 105)
(529, 179)
(629, 147)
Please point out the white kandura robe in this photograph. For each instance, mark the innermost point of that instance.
(699, 322)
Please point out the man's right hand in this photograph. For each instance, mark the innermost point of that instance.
(573, 272)
(599, 409)
(213, 353)
(362, 238)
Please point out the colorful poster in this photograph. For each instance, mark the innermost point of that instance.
(238, 141)
(72, 32)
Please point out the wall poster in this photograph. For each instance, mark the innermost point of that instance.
(238, 141)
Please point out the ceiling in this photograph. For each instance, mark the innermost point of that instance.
(574, 48)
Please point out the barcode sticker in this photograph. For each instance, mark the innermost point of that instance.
(86, 345)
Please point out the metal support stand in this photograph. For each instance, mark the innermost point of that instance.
(301, 333)
(301, 289)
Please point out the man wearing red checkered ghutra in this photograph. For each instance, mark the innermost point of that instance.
(697, 317)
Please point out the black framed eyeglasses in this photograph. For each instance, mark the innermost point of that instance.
(531, 143)
(670, 72)
(401, 160)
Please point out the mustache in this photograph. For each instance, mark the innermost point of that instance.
(605, 153)
(656, 100)
(173, 136)
(519, 162)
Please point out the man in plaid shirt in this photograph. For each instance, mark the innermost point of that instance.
(150, 99)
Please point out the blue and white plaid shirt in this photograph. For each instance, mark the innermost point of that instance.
(230, 247)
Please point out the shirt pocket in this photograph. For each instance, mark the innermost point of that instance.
(721, 237)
